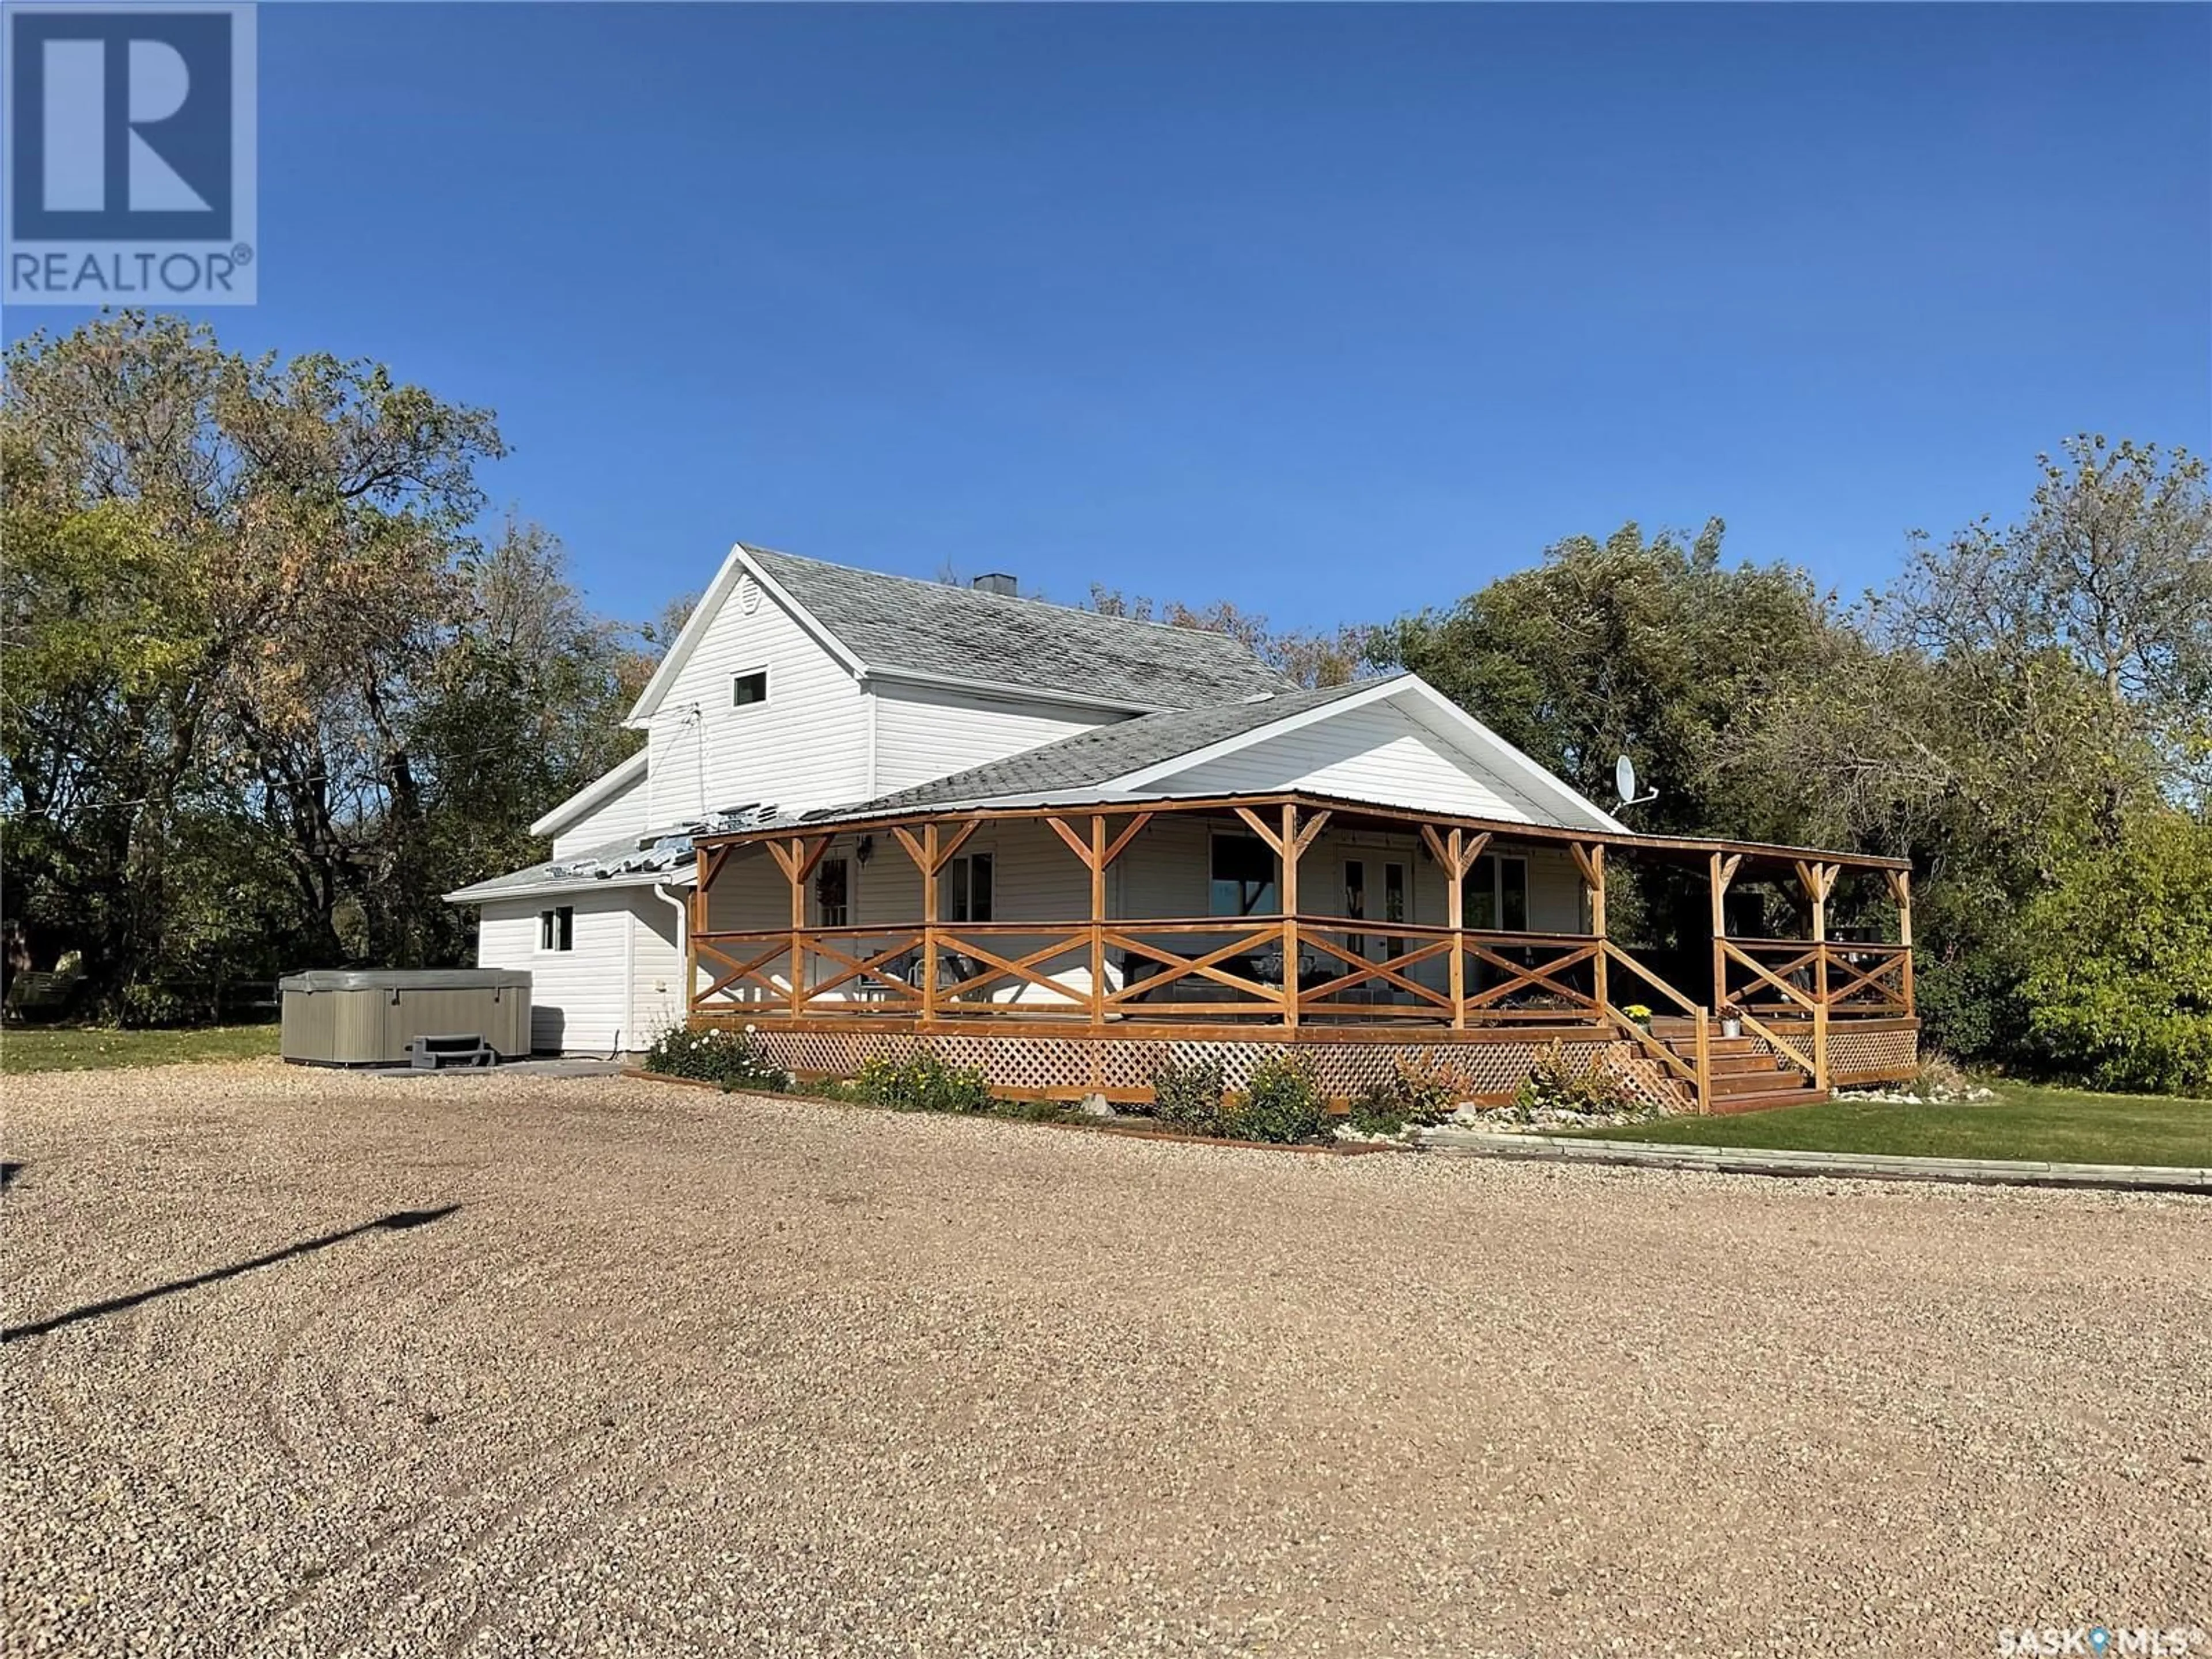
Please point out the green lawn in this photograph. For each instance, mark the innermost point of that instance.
(2055, 1126)
(90, 1047)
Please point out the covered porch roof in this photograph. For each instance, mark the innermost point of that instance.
(1346, 813)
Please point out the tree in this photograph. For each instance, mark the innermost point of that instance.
(2118, 986)
(106, 636)
(226, 580)
(2112, 570)
(2018, 697)
(1647, 647)
(521, 707)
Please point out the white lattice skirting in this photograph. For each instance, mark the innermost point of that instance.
(1121, 1068)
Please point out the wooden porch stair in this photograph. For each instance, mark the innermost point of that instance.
(1746, 1077)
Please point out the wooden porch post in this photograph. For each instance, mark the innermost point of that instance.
(1098, 854)
(707, 864)
(1455, 916)
(1290, 850)
(1288, 843)
(1591, 860)
(1456, 854)
(695, 917)
(1722, 872)
(1705, 1063)
(1817, 880)
(1097, 862)
(930, 855)
(1900, 889)
(927, 864)
(798, 925)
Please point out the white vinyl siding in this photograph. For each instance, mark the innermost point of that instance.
(656, 994)
(1379, 753)
(805, 746)
(625, 812)
(619, 985)
(927, 732)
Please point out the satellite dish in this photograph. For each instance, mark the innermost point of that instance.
(1624, 782)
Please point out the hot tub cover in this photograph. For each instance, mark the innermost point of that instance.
(405, 979)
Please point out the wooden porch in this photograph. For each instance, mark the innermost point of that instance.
(1095, 985)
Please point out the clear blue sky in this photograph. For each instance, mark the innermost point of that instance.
(1335, 312)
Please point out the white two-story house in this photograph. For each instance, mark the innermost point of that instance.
(921, 808)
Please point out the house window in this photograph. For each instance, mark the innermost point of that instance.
(749, 687)
(557, 929)
(1243, 882)
(833, 893)
(1496, 896)
(968, 881)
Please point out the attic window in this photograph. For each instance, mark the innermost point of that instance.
(749, 687)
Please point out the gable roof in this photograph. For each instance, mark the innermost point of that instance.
(1134, 757)
(1095, 757)
(900, 628)
(1548, 797)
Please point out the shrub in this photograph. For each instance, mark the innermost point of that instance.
(1939, 1078)
(1409, 1094)
(1189, 1097)
(1554, 1085)
(1281, 1104)
(924, 1083)
(718, 1055)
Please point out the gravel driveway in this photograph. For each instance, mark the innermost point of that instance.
(689, 1374)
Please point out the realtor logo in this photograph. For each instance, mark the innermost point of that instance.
(130, 141)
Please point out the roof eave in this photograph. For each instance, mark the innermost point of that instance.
(608, 783)
(1038, 802)
(481, 892)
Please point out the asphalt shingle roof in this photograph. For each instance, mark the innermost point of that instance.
(895, 622)
(1089, 758)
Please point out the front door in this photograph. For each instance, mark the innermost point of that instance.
(1385, 902)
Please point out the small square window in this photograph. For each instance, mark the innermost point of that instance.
(749, 688)
(557, 929)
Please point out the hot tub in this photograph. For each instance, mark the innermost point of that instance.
(365, 1016)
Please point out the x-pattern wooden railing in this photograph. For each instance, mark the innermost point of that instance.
(1880, 988)
(1239, 937)
(1562, 953)
(872, 972)
(741, 975)
(1856, 974)
(841, 965)
(1002, 967)
(1344, 943)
